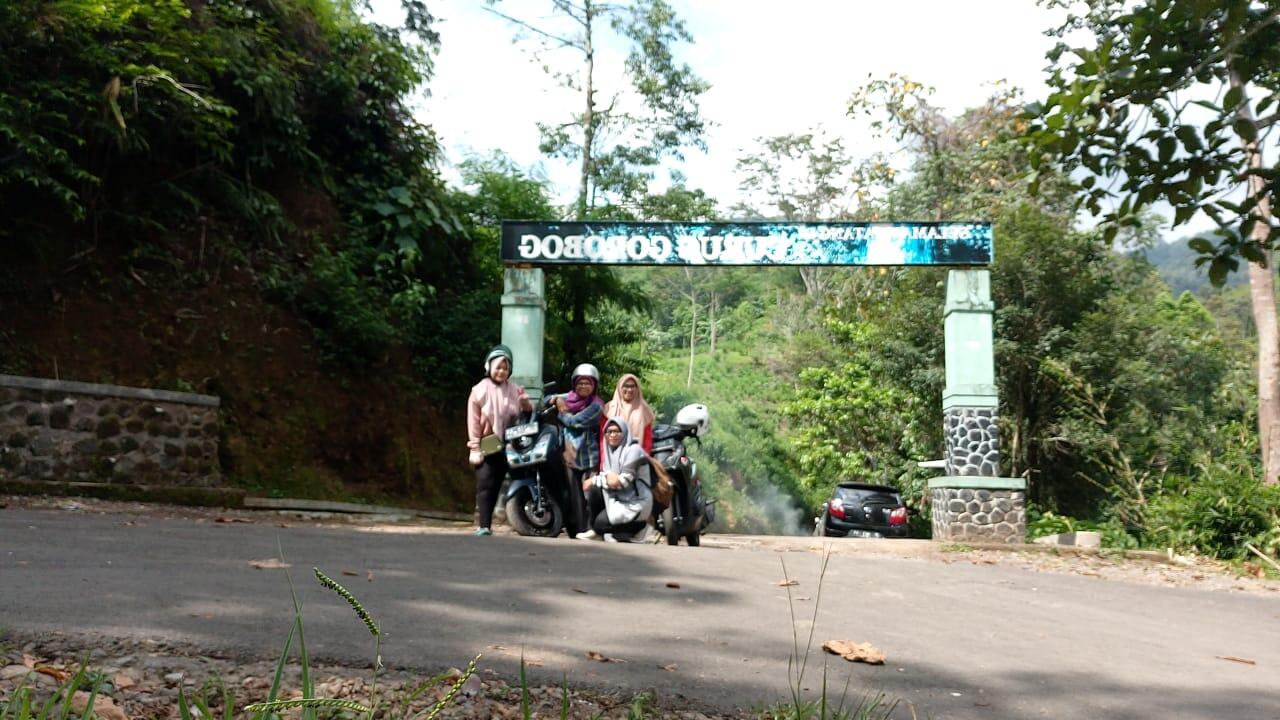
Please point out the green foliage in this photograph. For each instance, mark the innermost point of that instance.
(1221, 507)
(1145, 378)
(1119, 109)
(346, 313)
(850, 425)
(279, 131)
(1042, 523)
(745, 462)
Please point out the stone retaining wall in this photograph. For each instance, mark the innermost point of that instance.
(71, 431)
(979, 515)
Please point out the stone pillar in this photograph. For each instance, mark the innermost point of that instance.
(971, 502)
(524, 308)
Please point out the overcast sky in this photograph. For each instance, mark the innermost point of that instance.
(774, 68)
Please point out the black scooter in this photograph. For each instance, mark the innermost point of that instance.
(537, 496)
(689, 513)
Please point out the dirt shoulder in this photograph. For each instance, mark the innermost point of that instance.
(141, 680)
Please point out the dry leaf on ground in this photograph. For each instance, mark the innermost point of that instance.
(103, 706)
(673, 585)
(580, 590)
(593, 655)
(352, 573)
(56, 673)
(854, 652)
(269, 564)
(669, 668)
(225, 519)
(122, 681)
(1232, 658)
(787, 583)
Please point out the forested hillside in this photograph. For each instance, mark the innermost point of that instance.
(234, 198)
(237, 197)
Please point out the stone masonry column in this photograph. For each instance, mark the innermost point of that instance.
(971, 502)
(524, 308)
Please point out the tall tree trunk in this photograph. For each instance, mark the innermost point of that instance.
(576, 352)
(1262, 293)
(812, 279)
(711, 319)
(589, 115)
(693, 325)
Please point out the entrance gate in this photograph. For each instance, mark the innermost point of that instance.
(970, 501)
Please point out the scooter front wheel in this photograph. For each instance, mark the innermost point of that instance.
(527, 519)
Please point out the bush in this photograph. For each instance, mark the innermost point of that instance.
(347, 313)
(1216, 513)
(1041, 523)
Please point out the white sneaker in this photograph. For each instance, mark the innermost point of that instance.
(588, 535)
(608, 537)
(646, 535)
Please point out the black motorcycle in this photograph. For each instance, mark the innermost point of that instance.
(537, 496)
(690, 512)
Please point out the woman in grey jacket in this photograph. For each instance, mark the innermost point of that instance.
(620, 496)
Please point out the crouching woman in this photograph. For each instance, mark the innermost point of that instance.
(620, 496)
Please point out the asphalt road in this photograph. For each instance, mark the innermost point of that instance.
(962, 640)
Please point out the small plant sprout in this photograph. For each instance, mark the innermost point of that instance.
(308, 703)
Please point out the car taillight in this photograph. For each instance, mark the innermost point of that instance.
(837, 508)
(898, 516)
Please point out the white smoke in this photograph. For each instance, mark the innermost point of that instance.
(782, 515)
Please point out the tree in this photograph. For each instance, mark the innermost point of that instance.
(680, 204)
(1163, 105)
(798, 177)
(616, 145)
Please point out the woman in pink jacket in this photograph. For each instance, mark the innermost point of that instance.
(493, 404)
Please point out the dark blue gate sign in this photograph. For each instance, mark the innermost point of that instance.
(754, 243)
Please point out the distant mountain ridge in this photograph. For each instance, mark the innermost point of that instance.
(1176, 263)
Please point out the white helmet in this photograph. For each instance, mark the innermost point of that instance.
(586, 370)
(696, 417)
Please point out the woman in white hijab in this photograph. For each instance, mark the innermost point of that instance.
(620, 496)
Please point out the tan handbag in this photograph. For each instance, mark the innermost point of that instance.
(662, 487)
(490, 444)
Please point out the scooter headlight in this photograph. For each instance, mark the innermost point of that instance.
(541, 449)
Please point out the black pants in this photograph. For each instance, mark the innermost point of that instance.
(489, 477)
(601, 524)
(579, 500)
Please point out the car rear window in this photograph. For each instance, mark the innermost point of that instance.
(862, 495)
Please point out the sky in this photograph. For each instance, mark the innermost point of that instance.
(774, 68)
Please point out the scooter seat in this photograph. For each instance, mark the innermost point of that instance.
(665, 432)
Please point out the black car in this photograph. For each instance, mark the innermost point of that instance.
(862, 510)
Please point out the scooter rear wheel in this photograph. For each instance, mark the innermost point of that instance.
(669, 526)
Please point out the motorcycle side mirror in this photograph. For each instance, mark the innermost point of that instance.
(548, 387)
